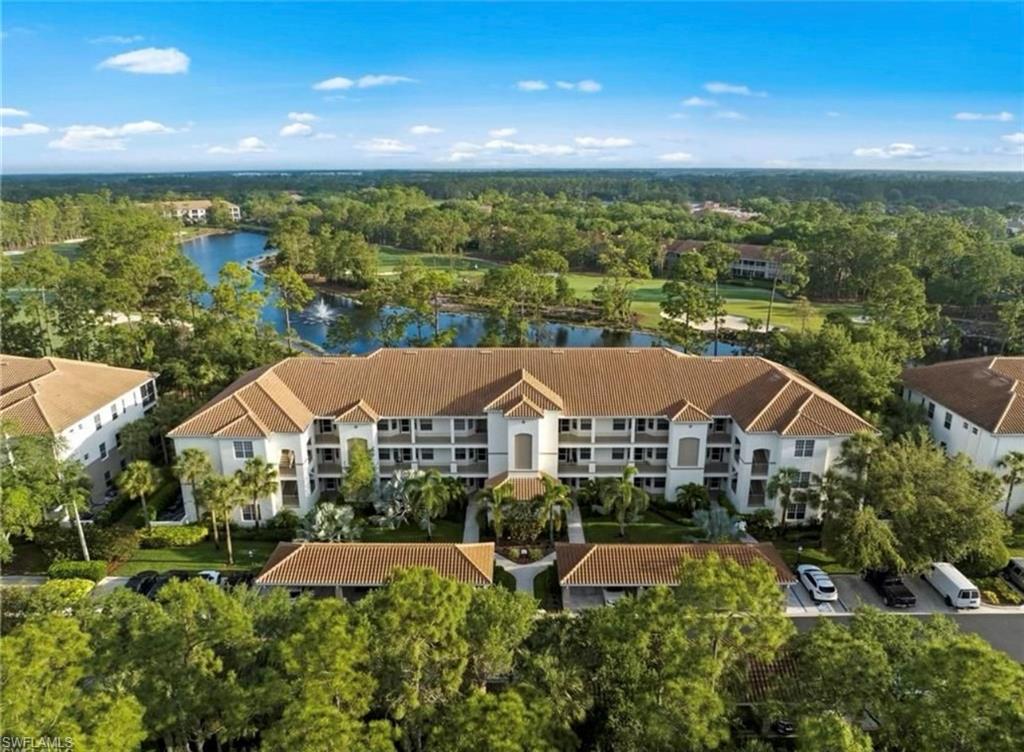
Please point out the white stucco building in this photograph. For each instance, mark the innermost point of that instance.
(196, 211)
(87, 405)
(509, 415)
(974, 407)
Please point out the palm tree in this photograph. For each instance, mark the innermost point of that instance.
(193, 466)
(496, 502)
(221, 494)
(139, 480)
(1013, 463)
(553, 504)
(625, 500)
(781, 486)
(258, 478)
(429, 494)
(855, 458)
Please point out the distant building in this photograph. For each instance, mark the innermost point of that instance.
(511, 416)
(754, 261)
(713, 207)
(86, 404)
(195, 212)
(974, 407)
(1015, 226)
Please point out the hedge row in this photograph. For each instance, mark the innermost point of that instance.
(173, 536)
(112, 544)
(77, 570)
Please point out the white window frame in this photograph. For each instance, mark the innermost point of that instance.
(796, 511)
(241, 448)
(426, 424)
(804, 448)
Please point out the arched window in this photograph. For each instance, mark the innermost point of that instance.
(688, 451)
(522, 457)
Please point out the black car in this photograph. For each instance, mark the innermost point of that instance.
(141, 582)
(889, 585)
(234, 579)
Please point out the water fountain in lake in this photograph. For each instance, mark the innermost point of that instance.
(320, 313)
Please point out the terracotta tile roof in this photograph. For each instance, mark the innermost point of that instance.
(987, 391)
(524, 486)
(577, 381)
(636, 564)
(359, 412)
(524, 408)
(748, 251)
(47, 395)
(313, 564)
(768, 680)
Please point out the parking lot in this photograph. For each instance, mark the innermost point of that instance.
(854, 592)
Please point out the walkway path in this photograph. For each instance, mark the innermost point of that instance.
(25, 580)
(471, 528)
(575, 524)
(524, 573)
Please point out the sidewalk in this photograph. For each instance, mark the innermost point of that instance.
(524, 573)
(575, 525)
(23, 580)
(471, 528)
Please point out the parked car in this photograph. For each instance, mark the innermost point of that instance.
(211, 575)
(141, 581)
(783, 727)
(818, 584)
(889, 585)
(956, 590)
(1014, 572)
(234, 579)
(612, 595)
(163, 579)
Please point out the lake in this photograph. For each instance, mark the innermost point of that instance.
(211, 252)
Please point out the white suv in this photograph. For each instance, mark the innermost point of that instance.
(818, 584)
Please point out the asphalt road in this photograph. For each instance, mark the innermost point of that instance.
(1003, 631)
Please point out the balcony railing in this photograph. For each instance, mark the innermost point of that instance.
(471, 468)
(394, 438)
(326, 437)
(286, 469)
(716, 467)
(759, 468)
(290, 500)
(647, 437)
(755, 500)
(719, 437)
(566, 437)
(573, 468)
(477, 437)
(329, 468)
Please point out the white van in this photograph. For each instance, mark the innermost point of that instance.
(952, 585)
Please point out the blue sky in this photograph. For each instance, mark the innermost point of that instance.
(176, 86)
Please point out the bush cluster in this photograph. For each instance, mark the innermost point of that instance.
(112, 544)
(173, 536)
(71, 569)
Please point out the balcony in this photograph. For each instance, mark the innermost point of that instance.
(290, 500)
(716, 468)
(329, 437)
(621, 438)
(759, 468)
(573, 468)
(719, 437)
(390, 468)
(651, 468)
(329, 468)
(286, 469)
(615, 467)
(646, 437)
(755, 500)
(573, 438)
(392, 439)
(477, 437)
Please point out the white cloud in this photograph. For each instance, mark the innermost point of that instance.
(587, 86)
(676, 156)
(296, 129)
(611, 142)
(324, 136)
(333, 84)
(385, 146)
(502, 132)
(459, 156)
(533, 150)
(720, 87)
(25, 129)
(1001, 117)
(156, 60)
(363, 82)
(117, 39)
(302, 117)
(730, 115)
(698, 102)
(531, 85)
(424, 130)
(103, 138)
(892, 151)
(247, 145)
(12, 112)
(1014, 138)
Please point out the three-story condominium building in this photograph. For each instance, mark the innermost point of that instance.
(86, 405)
(974, 407)
(513, 415)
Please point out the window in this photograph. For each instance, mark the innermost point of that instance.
(103, 450)
(948, 422)
(523, 451)
(459, 424)
(113, 411)
(98, 421)
(148, 391)
(85, 457)
(931, 409)
(324, 425)
(404, 425)
(460, 455)
(243, 450)
(563, 425)
(662, 424)
(117, 439)
(661, 454)
(249, 512)
(804, 448)
(586, 424)
(406, 455)
(641, 425)
(585, 454)
(974, 430)
(796, 511)
(659, 483)
(382, 426)
(965, 425)
(619, 453)
(619, 424)
(942, 444)
(426, 424)
(107, 480)
(427, 454)
(638, 455)
(803, 480)
(384, 455)
(687, 454)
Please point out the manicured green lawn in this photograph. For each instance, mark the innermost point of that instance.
(198, 557)
(445, 531)
(388, 259)
(650, 528)
(811, 554)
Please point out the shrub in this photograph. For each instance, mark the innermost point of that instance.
(112, 544)
(77, 570)
(264, 533)
(18, 603)
(761, 524)
(285, 520)
(173, 536)
(998, 591)
(986, 561)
